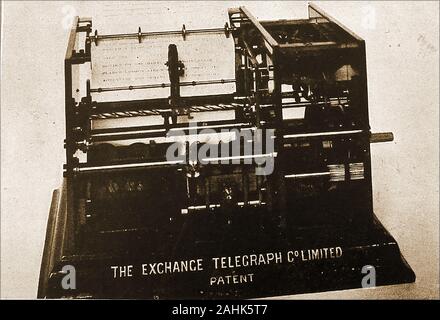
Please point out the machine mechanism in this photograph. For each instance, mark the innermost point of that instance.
(265, 180)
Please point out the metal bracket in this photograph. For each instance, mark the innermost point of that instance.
(95, 38)
(139, 35)
(184, 32)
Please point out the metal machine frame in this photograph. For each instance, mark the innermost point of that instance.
(265, 62)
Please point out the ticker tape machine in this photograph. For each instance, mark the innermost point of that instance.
(229, 162)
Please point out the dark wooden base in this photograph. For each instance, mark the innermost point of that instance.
(310, 271)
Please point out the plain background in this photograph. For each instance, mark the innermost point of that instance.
(403, 79)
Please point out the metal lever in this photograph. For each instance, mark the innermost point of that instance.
(381, 137)
(175, 71)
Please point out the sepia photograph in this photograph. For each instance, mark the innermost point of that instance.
(220, 150)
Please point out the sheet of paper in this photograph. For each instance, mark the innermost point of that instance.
(126, 62)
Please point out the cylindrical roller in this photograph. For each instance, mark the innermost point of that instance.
(381, 137)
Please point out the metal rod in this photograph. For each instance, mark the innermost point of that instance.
(288, 95)
(255, 156)
(381, 137)
(127, 166)
(307, 175)
(202, 207)
(158, 33)
(146, 86)
(139, 134)
(106, 134)
(219, 126)
(178, 126)
(321, 134)
(162, 163)
(211, 206)
(163, 85)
